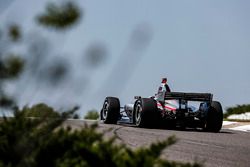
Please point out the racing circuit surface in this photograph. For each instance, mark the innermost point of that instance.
(223, 149)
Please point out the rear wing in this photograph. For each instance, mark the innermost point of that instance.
(189, 96)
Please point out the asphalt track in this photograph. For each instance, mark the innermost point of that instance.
(223, 149)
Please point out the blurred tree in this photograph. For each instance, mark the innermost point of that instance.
(40, 110)
(14, 32)
(6, 101)
(56, 16)
(96, 54)
(41, 142)
(92, 114)
(11, 67)
(59, 17)
(56, 71)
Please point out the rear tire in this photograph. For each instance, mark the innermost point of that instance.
(214, 117)
(145, 113)
(111, 110)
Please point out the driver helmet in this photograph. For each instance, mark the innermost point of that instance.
(164, 80)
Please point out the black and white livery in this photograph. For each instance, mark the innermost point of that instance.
(168, 109)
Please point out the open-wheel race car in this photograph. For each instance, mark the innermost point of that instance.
(175, 110)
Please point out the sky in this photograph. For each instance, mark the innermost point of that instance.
(200, 46)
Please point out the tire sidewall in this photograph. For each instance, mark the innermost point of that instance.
(214, 117)
(111, 110)
(147, 115)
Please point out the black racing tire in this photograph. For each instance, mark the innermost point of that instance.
(214, 117)
(110, 111)
(145, 113)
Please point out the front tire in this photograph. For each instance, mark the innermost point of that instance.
(214, 117)
(111, 110)
(145, 113)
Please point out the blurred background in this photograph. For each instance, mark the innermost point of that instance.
(124, 48)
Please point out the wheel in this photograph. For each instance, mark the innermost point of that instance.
(214, 117)
(111, 110)
(145, 113)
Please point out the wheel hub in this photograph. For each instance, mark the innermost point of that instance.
(138, 113)
(105, 110)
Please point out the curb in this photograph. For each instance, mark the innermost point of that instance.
(240, 126)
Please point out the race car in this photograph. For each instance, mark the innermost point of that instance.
(174, 111)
